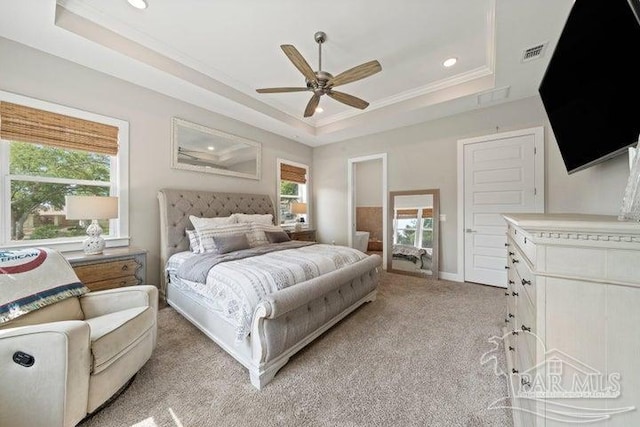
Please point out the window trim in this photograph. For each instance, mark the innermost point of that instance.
(119, 179)
(306, 195)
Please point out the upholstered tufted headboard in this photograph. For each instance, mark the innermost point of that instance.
(177, 205)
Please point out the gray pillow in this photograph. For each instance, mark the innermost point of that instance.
(277, 236)
(231, 242)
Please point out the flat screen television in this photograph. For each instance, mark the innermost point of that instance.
(591, 88)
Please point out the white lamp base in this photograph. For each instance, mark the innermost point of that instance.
(94, 243)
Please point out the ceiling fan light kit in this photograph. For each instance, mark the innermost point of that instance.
(322, 82)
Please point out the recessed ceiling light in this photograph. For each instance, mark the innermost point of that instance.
(138, 4)
(210, 148)
(319, 109)
(450, 62)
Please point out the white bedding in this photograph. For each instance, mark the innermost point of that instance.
(234, 288)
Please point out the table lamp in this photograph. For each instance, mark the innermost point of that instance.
(299, 208)
(93, 208)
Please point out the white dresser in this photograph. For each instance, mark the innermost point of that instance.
(572, 334)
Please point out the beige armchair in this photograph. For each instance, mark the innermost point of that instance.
(63, 361)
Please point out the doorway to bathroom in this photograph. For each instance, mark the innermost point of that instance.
(367, 204)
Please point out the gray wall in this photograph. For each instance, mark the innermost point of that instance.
(425, 156)
(29, 72)
(369, 183)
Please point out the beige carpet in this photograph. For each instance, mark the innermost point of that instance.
(411, 358)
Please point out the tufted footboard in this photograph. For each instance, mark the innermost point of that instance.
(289, 319)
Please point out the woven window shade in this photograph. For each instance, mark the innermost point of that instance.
(413, 213)
(293, 173)
(407, 213)
(26, 124)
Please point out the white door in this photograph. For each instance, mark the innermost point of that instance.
(502, 173)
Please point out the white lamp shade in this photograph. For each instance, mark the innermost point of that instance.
(91, 207)
(298, 208)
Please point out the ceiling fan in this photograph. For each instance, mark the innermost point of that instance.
(321, 82)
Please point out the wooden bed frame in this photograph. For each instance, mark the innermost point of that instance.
(286, 320)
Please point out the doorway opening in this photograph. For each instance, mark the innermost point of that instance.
(367, 204)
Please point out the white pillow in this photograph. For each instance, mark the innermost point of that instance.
(204, 223)
(194, 241)
(208, 236)
(257, 218)
(256, 235)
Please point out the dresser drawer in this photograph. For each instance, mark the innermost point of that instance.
(523, 242)
(106, 270)
(113, 283)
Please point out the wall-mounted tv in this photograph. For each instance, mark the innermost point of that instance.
(591, 88)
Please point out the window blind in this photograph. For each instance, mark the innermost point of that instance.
(26, 124)
(413, 213)
(293, 173)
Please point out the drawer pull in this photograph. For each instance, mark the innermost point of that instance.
(525, 240)
(525, 382)
(514, 260)
(511, 315)
(506, 294)
(512, 348)
(506, 245)
(125, 267)
(515, 294)
(514, 371)
(506, 320)
(526, 329)
(511, 282)
(507, 267)
(526, 282)
(514, 332)
(511, 253)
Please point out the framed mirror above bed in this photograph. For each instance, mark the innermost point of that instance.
(413, 236)
(202, 149)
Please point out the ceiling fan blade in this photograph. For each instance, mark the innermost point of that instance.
(351, 100)
(311, 106)
(282, 89)
(356, 73)
(299, 61)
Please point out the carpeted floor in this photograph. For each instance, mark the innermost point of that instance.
(411, 358)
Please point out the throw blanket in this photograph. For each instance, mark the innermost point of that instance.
(197, 268)
(234, 287)
(34, 278)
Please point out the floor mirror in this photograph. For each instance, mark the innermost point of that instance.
(413, 236)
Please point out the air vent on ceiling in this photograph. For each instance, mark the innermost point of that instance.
(533, 52)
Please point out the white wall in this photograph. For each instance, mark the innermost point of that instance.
(369, 183)
(29, 72)
(424, 156)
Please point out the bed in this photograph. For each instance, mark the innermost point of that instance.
(282, 322)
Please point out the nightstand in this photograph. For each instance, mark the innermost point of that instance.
(114, 268)
(308, 235)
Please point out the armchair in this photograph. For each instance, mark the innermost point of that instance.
(63, 361)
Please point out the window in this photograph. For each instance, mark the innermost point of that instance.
(413, 227)
(292, 188)
(48, 152)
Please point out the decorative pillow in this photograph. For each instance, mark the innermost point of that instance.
(204, 223)
(194, 241)
(208, 236)
(255, 218)
(257, 237)
(231, 243)
(277, 236)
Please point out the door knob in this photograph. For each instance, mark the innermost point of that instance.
(469, 230)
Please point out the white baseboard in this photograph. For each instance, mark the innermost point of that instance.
(454, 277)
